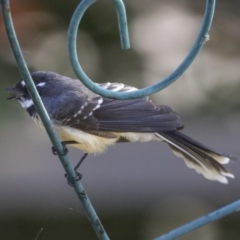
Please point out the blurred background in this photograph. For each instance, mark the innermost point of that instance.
(140, 191)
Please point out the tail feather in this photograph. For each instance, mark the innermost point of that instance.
(197, 156)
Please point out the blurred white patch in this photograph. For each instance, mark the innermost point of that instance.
(163, 35)
(26, 103)
(41, 84)
(52, 54)
(23, 83)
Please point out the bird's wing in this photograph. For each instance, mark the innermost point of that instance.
(138, 115)
(108, 115)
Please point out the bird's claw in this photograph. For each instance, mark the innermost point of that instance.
(65, 150)
(71, 181)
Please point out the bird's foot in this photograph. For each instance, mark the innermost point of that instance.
(71, 181)
(65, 150)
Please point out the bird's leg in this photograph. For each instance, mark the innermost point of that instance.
(65, 150)
(79, 175)
(80, 162)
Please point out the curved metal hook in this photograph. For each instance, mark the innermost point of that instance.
(72, 36)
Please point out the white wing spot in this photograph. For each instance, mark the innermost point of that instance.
(90, 114)
(81, 109)
(100, 101)
(105, 85)
(129, 89)
(117, 87)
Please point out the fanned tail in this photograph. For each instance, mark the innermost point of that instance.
(197, 156)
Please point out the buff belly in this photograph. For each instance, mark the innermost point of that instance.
(95, 144)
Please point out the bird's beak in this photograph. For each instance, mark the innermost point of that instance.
(14, 92)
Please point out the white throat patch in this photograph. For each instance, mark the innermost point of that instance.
(26, 103)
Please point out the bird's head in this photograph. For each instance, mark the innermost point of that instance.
(48, 84)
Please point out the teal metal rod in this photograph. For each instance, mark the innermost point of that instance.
(211, 217)
(89, 210)
(122, 23)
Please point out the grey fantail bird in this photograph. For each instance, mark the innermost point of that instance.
(91, 123)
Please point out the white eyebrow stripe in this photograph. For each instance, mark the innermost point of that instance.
(41, 84)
